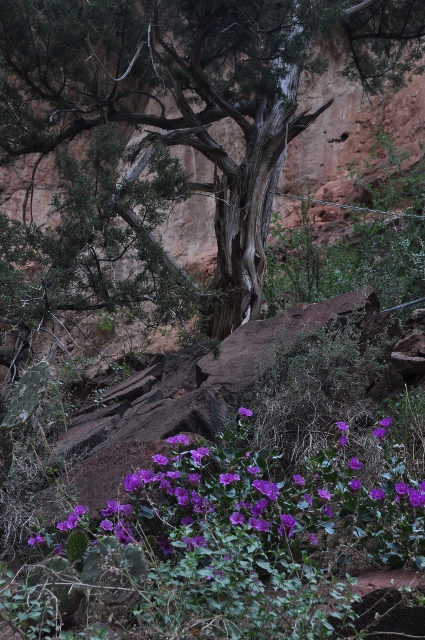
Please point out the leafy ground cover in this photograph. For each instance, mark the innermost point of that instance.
(215, 541)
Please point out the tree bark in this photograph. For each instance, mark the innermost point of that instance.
(243, 211)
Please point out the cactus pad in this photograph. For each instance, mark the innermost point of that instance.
(76, 545)
(57, 576)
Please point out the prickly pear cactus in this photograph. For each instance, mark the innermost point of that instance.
(57, 576)
(25, 400)
(76, 545)
(109, 564)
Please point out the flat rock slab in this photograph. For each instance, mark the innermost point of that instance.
(255, 342)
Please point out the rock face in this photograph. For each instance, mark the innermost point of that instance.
(343, 133)
(186, 391)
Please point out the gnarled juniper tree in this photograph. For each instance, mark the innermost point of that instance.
(70, 66)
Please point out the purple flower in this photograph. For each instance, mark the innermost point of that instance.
(173, 474)
(62, 526)
(125, 509)
(323, 494)
(246, 413)
(58, 550)
(312, 539)
(259, 524)
(242, 505)
(288, 521)
(342, 441)
(72, 520)
(106, 525)
(253, 470)
(195, 478)
(179, 439)
(182, 496)
(200, 505)
(327, 511)
(308, 499)
(146, 475)
(422, 486)
(379, 433)
(355, 464)
(377, 494)
(112, 507)
(123, 532)
(198, 454)
(164, 484)
(227, 478)
(131, 482)
(161, 460)
(259, 506)
(355, 485)
(198, 541)
(269, 489)
(37, 539)
(236, 518)
(401, 488)
(416, 499)
(186, 521)
(298, 480)
(80, 510)
(342, 426)
(386, 422)
(248, 454)
(165, 546)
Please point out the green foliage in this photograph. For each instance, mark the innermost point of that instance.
(24, 402)
(78, 263)
(387, 254)
(60, 578)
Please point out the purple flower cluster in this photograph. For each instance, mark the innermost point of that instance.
(381, 431)
(288, 525)
(228, 478)
(73, 518)
(37, 539)
(180, 439)
(269, 489)
(112, 506)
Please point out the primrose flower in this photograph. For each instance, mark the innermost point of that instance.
(198, 454)
(312, 539)
(227, 478)
(323, 494)
(269, 489)
(181, 495)
(377, 494)
(253, 470)
(37, 539)
(123, 532)
(198, 541)
(288, 525)
(131, 482)
(355, 464)
(173, 474)
(72, 520)
(355, 485)
(200, 505)
(416, 499)
(195, 478)
(342, 441)
(80, 510)
(112, 507)
(242, 505)
(179, 439)
(58, 550)
(342, 426)
(386, 422)
(106, 525)
(401, 488)
(165, 545)
(379, 433)
(327, 511)
(161, 460)
(146, 475)
(164, 484)
(246, 413)
(186, 521)
(236, 518)
(298, 480)
(422, 486)
(259, 524)
(259, 506)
